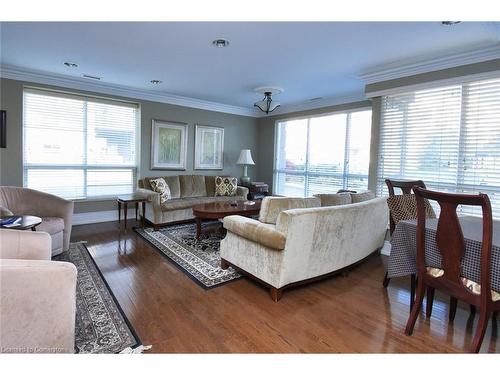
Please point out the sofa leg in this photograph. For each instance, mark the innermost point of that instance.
(276, 293)
(224, 264)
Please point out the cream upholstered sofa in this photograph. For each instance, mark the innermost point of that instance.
(187, 191)
(295, 239)
(56, 213)
(37, 295)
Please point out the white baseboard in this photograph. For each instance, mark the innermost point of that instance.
(100, 216)
(386, 249)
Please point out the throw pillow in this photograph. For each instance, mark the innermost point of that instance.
(4, 211)
(159, 185)
(225, 186)
(404, 207)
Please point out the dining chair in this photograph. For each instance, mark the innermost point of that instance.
(406, 188)
(451, 246)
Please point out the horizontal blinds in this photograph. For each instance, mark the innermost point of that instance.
(78, 147)
(448, 137)
(323, 154)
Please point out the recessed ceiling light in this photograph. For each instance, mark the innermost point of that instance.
(450, 23)
(71, 65)
(156, 81)
(220, 43)
(91, 77)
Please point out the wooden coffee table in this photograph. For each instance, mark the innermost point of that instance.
(219, 210)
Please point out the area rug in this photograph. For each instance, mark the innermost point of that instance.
(199, 259)
(101, 326)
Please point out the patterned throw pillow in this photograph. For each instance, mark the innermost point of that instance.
(225, 186)
(404, 207)
(4, 211)
(159, 185)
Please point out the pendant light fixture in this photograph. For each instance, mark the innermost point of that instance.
(267, 104)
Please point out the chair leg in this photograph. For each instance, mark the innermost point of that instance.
(386, 281)
(453, 309)
(276, 294)
(415, 310)
(413, 284)
(430, 301)
(484, 317)
(472, 309)
(224, 264)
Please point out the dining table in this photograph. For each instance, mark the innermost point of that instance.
(403, 262)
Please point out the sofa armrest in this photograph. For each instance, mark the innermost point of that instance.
(37, 313)
(17, 244)
(255, 231)
(242, 191)
(152, 196)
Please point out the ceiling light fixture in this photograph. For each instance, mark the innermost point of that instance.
(450, 23)
(220, 43)
(71, 65)
(156, 81)
(267, 104)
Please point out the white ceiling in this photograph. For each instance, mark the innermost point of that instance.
(307, 59)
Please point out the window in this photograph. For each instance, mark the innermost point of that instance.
(449, 137)
(322, 154)
(78, 147)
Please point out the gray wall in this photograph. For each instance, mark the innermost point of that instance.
(265, 155)
(239, 132)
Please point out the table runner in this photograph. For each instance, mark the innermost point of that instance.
(402, 260)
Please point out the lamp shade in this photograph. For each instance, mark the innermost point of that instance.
(245, 158)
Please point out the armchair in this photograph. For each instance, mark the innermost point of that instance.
(56, 213)
(37, 296)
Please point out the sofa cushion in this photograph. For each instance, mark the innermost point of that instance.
(338, 199)
(183, 203)
(192, 186)
(210, 185)
(272, 206)
(4, 211)
(362, 196)
(51, 225)
(159, 185)
(404, 207)
(254, 230)
(226, 186)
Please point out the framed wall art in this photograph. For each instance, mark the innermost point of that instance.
(209, 147)
(168, 145)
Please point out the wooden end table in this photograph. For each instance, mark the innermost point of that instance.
(131, 198)
(27, 222)
(219, 210)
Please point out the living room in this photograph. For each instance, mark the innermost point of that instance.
(189, 185)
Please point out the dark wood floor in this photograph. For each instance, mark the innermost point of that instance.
(339, 315)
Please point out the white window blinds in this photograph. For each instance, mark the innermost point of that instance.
(448, 137)
(79, 147)
(322, 154)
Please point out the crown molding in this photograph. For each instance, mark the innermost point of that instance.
(399, 70)
(77, 83)
(315, 104)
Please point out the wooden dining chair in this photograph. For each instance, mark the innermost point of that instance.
(406, 188)
(451, 245)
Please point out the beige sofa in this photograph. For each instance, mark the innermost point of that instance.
(187, 191)
(296, 240)
(56, 213)
(37, 296)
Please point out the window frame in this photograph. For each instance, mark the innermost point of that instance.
(305, 173)
(85, 167)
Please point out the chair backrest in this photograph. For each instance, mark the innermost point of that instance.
(450, 240)
(406, 188)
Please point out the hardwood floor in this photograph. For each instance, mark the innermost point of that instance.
(352, 314)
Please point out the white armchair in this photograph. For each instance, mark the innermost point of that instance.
(37, 295)
(303, 243)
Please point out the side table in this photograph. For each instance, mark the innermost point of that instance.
(257, 191)
(131, 198)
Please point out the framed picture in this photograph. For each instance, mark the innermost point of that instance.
(168, 145)
(209, 147)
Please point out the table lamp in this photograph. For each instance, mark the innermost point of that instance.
(245, 159)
